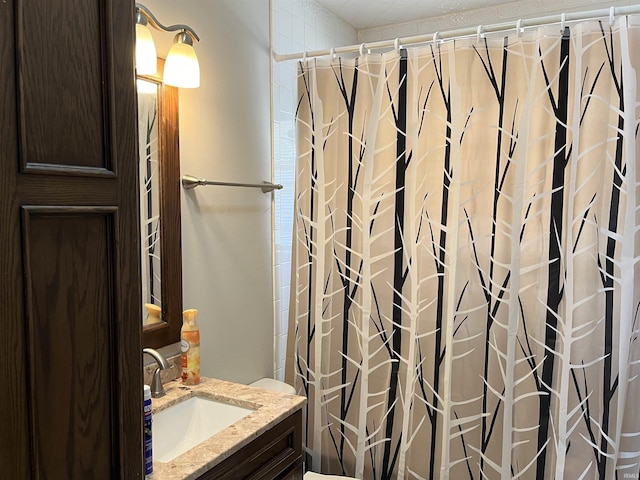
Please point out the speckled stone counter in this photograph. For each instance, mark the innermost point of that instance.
(270, 409)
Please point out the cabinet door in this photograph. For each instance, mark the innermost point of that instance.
(70, 359)
(274, 455)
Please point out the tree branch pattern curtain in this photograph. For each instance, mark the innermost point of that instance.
(465, 258)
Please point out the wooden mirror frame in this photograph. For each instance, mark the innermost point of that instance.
(168, 331)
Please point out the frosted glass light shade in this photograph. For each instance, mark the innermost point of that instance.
(181, 69)
(146, 62)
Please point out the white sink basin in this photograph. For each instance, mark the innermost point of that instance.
(186, 424)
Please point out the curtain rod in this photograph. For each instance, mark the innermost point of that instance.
(465, 32)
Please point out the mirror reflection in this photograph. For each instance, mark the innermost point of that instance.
(161, 255)
(149, 201)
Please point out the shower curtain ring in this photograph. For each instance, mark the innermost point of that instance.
(519, 27)
(396, 44)
(362, 50)
(332, 52)
(435, 38)
(479, 32)
(563, 22)
(304, 56)
(612, 12)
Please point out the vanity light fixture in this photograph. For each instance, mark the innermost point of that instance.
(181, 68)
(146, 63)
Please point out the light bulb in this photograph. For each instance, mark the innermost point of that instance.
(181, 68)
(146, 62)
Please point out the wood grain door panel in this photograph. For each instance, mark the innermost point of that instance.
(70, 330)
(65, 89)
(69, 278)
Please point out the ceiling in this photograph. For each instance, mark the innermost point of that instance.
(363, 14)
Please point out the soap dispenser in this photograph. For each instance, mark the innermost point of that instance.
(190, 348)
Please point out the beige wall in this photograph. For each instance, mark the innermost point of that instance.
(225, 136)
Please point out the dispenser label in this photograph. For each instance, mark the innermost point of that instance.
(184, 346)
(148, 442)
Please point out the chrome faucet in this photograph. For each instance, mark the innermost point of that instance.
(157, 389)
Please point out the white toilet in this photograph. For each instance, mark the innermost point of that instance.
(278, 386)
(274, 385)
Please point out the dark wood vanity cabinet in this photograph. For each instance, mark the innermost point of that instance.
(70, 357)
(274, 455)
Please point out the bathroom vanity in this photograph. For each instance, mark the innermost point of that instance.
(264, 444)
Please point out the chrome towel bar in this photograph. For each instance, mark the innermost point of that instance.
(189, 182)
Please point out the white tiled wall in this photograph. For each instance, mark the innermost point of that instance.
(297, 25)
(505, 12)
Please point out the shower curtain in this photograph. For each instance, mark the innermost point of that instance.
(465, 262)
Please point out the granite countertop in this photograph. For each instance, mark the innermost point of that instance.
(270, 408)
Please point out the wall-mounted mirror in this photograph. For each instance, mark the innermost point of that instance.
(161, 254)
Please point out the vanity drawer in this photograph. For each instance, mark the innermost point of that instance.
(274, 455)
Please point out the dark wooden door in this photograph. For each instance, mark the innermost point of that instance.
(70, 361)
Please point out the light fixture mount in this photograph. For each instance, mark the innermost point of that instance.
(183, 37)
(150, 17)
(182, 68)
